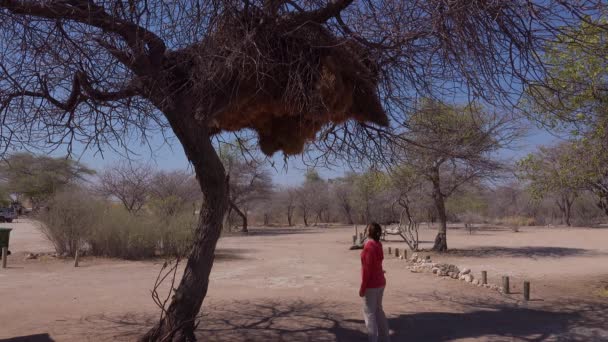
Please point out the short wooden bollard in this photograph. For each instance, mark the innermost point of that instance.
(76, 257)
(526, 290)
(505, 284)
(4, 256)
(405, 254)
(484, 277)
(354, 239)
(389, 251)
(397, 252)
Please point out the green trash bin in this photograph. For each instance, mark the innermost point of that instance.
(4, 235)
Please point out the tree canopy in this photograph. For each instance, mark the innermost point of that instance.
(37, 177)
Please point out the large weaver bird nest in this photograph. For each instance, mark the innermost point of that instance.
(282, 81)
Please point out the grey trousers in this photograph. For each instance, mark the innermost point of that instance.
(375, 319)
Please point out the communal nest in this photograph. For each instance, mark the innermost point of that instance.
(283, 80)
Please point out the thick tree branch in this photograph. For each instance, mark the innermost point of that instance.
(321, 15)
(89, 13)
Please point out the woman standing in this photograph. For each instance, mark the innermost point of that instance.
(372, 285)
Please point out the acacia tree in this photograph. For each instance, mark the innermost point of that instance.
(128, 182)
(249, 181)
(457, 146)
(99, 72)
(555, 170)
(37, 178)
(171, 191)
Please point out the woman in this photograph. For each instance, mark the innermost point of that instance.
(372, 285)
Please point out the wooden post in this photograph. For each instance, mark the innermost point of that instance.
(405, 254)
(484, 277)
(4, 256)
(354, 240)
(526, 290)
(76, 257)
(505, 284)
(389, 251)
(396, 252)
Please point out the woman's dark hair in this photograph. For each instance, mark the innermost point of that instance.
(374, 231)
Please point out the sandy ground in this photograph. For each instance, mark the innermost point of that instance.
(301, 284)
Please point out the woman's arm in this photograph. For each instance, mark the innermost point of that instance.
(366, 265)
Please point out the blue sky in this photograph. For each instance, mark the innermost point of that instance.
(170, 156)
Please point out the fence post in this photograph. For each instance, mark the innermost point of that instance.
(526, 290)
(484, 277)
(505, 284)
(389, 251)
(354, 240)
(76, 257)
(397, 252)
(4, 256)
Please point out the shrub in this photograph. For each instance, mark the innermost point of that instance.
(68, 219)
(75, 219)
(520, 221)
(120, 234)
(176, 233)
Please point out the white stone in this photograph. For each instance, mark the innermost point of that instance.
(468, 278)
(465, 271)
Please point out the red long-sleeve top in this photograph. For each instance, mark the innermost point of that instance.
(372, 275)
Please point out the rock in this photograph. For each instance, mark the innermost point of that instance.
(31, 256)
(442, 273)
(465, 271)
(468, 278)
(476, 282)
(461, 277)
(414, 257)
(435, 270)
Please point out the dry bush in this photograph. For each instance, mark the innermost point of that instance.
(68, 219)
(121, 234)
(519, 221)
(176, 234)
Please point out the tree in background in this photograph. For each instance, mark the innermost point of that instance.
(249, 181)
(574, 96)
(128, 182)
(37, 178)
(554, 171)
(172, 192)
(312, 197)
(455, 145)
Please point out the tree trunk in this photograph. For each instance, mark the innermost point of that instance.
(305, 217)
(180, 319)
(441, 240)
(242, 215)
(290, 216)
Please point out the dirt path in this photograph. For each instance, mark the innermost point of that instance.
(301, 285)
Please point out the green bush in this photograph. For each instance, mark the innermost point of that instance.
(120, 234)
(77, 220)
(68, 219)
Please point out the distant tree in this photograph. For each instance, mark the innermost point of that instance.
(128, 182)
(37, 178)
(454, 145)
(286, 201)
(553, 171)
(249, 181)
(343, 192)
(172, 191)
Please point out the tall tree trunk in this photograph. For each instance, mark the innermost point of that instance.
(441, 240)
(179, 321)
(241, 214)
(305, 217)
(290, 216)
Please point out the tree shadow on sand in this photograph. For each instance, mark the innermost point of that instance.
(301, 321)
(30, 338)
(522, 252)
